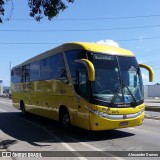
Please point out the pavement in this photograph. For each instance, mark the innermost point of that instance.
(152, 108)
(152, 104)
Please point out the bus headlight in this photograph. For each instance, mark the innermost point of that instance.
(101, 114)
(98, 113)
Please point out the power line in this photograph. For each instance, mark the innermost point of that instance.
(135, 39)
(30, 43)
(78, 30)
(90, 19)
(46, 43)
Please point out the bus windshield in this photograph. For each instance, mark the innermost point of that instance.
(118, 80)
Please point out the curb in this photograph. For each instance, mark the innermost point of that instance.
(152, 108)
(2, 147)
(152, 117)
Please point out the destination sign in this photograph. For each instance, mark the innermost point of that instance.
(103, 57)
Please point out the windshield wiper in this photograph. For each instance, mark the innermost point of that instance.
(116, 94)
(125, 86)
(122, 85)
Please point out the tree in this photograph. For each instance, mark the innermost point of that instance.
(39, 8)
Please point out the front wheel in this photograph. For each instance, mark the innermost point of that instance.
(65, 120)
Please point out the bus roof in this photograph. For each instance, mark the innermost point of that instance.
(93, 47)
(97, 47)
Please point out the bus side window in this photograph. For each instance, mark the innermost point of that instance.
(34, 71)
(58, 68)
(16, 75)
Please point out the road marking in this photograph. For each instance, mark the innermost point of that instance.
(131, 128)
(73, 150)
(6, 100)
(96, 149)
(3, 110)
(67, 146)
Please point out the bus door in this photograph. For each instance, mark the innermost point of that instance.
(81, 116)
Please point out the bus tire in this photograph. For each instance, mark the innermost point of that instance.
(65, 118)
(22, 107)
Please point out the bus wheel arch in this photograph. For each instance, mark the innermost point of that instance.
(64, 117)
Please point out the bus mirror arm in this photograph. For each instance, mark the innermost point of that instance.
(90, 68)
(150, 70)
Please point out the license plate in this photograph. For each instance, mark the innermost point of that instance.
(123, 123)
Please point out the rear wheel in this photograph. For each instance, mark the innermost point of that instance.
(22, 106)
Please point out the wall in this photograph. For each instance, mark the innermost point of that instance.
(1, 87)
(151, 91)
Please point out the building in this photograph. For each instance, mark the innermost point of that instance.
(152, 91)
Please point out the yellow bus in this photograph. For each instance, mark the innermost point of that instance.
(89, 85)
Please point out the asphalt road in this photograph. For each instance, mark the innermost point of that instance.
(32, 133)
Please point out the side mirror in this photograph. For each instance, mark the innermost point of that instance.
(150, 70)
(90, 68)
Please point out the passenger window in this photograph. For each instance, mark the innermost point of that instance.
(16, 75)
(34, 71)
(25, 73)
(45, 69)
(58, 67)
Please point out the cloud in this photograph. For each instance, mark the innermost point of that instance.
(140, 61)
(144, 76)
(108, 42)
